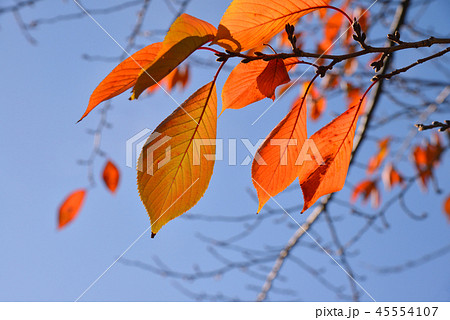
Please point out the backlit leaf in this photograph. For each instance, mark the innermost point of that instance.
(111, 176)
(317, 103)
(123, 77)
(242, 86)
(354, 95)
(332, 26)
(334, 142)
(273, 75)
(249, 23)
(367, 188)
(376, 160)
(178, 78)
(175, 165)
(185, 36)
(275, 166)
(70, 207)
(447, 206)
(391, 176)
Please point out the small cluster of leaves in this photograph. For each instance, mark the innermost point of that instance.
(71, 206)
(168, 187)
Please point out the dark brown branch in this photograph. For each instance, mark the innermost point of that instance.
(363, 127)
(435, 124)
(386, 50)
(404, 69)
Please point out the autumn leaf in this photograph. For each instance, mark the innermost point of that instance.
(70, 207)
(447, 206)
(243, 85)
(367, 188)
(332, 26)
(123, 77)
(335, 143)
(249, 23)
(391, 176)
(354, 95)
(177, 78)
(378, 158)
(420, 157)
(275, 165)
(173, 169)
(434, 151)
(273, 75)
(111, 176)
(317, 103)
(185, 36)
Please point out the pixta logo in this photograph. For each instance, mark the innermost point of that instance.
(158, 151)
(137, 143)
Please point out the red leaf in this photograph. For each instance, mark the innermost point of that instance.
(111, 176)
(274, 74)
(367, 188)
(391, 176)
(70, 207)
(275, 165)
(332, 26)
(318, 103)
(377, 159)
(242, 86)
(447, 206)
(334, 142)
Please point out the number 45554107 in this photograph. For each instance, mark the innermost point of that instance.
(403, 311)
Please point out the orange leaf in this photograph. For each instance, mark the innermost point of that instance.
(123, 77)
(334, 142)
(173, 170)
(367, 188)
(433, 151)
(331, 80)
(318, 103)
(111, 176)
(420, 156)
(354, 95)
(391, 177)
(377, 160)
(273, 75)
(275, 165)
(447, 206)
(249, 23)
(242, 86)
(332, 26)
(177, 78)
(185, 36)
(350, 66)
(70, 207)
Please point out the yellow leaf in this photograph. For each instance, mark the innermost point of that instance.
(175, 165)
(249, 23)
(123, 77)
(185, 36)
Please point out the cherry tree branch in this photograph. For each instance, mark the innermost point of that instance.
(363, 127)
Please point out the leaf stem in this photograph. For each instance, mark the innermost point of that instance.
(339, 10)
(210, 49)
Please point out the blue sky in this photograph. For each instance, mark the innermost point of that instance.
(45, 89)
